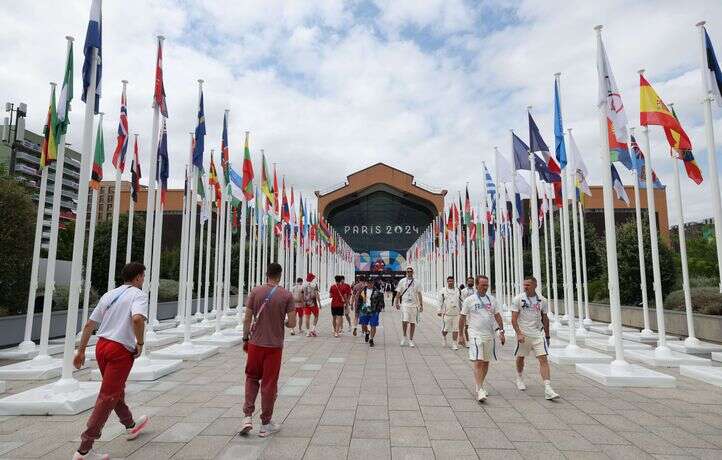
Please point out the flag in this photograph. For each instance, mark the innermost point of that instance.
(544, 173)
(200, 136)
(276, 201)
(93, 39)
(450, 222)
(520, 153)
(715, 74)
(163, 166)
(135, 173)
(159, 91)
(653, 111)
(224, 148)
(247, 185)
(640, 165)
(537, 144)
(608, 94)
(266, 187)
(467, 207)
(122, 146)
(491, 193)
(690, 165)
(66, 95)
(49, 149)
(98, 159)
(213, 181)
(618, 186)
(285, 210)
(618, 151)
(234, 184)
(559, 147)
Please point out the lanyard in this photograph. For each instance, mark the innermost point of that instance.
(488, 307)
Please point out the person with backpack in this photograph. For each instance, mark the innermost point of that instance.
(410, 303)
(449, 309)
(371, 303)
(358, 286)
(312, 300)
(339, 292)
(119, 318)
(269, 308)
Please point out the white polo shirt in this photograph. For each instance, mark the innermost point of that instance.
(530, 313)
(480, 311)
(410, 297)
(115, 311)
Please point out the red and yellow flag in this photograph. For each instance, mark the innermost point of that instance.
(653, 111)
(213, 181)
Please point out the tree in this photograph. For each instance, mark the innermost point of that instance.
(17, 236)
(101, 249)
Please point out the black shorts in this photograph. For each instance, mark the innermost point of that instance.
(337, 311)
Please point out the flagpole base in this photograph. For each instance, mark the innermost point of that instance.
(702, 349)
(607, 344)
(707, 374)
(64, 397)
(219, 339)
(146, 369)
(186, 351)
(669, 359)
(622, 374)
(573, 354)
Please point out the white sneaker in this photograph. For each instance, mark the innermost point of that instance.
(403, 342)
(520, 384)
(246, 426)
(411, 343)
(466, 344)
(140, 425)
(91, 455)
(481, 395)
(268, 429)
(549, 393)
(455, 346)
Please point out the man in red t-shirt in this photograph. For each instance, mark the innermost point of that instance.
(347, 307)
(269, 307)
(339, 293)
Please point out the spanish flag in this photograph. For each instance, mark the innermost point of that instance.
(653, 111)
(690, 165)
(213, 181)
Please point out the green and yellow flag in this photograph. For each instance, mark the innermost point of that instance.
(49, 149)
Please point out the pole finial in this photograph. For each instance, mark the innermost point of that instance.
(161, 38)
(701, 23)
(640, 71)
(598, 28)
(69, 38)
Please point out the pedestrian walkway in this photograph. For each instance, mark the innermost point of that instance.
(340, 399)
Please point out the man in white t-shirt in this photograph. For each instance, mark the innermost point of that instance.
(464, 293)
(449, 309)
(529, 319)
(408, 300)
(119, 319)
(482, 313)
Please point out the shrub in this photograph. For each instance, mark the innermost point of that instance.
(706, 300)
(167, 290)
(598, 290)
(61, 294)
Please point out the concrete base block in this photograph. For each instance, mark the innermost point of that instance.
(670, 359)
(701, 348)
(59, 398)
(717, 356)
(606, 330)
(625, 375)
(3, 387)
(707, 374)
(196, 331)
(164, 325)
(576, 355)
(147, 370)
(34, 369)
(20, 354)
(604, 344)
(219, 339)
(649, 338)
(186, 351)
(61, 341)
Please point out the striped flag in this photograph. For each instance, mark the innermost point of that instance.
(159, 91)
(93, 40)
(49, 149)
(163, 166)
(200, 136)
(66, 95)
(135, 173)
(247, 184)
(122, 146)
(98, 159)
(224, 148)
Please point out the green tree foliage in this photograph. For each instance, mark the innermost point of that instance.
(101, 249)
(17, 234)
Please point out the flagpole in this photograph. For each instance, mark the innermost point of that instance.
(647, 331)
(155, 270)
(691, 339)
(241, 261)
(209, 229)
(91, 233)
(555, 293)
(662, 349)
(131, 209)
(227, 239)
(217, 267)
(116, 213)
(711, 151)
(199, 283)
(180, 305)
(581, 331)
(27, 343)
(534, 211)
(547, 281)
(587, 319)
(67, 383)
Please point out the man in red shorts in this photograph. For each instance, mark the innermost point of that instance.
(340, 293)
(313, 302)
(269, 307)
(359, 286)
(297, 292)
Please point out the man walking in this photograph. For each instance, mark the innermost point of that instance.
(449, 309)
(120, 319)
(410, 303)
(269, 307)
(359, 286)
(339, 300)
(484, 317)
(312, 301)
(371, 304)
(529, 319)
(297, 292)
(347, 305)
(464, 292)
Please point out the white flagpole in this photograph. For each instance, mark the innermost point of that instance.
(553, 249)
(709, 137)
(155, 272)
(116, 213)
(28, 343)
(498, 256)
(217, 266)
(227, 239)
(662, 348)
(534, 218)
(647, 331)
(180, 306)
(199, 283)
(241, 260)
(587, 319)
(547, 280)
(91, 244)
(209, 229)
(252, 249)
(691, 339)
(67, 382)
(131, 209)
(581, 331)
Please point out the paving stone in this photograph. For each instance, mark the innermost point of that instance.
(181, 432)
(366, 449)
(406, 418)
(285, 448)
(444, 449)
(412, 453)
(488, 438)
(407, 436)
(331, 436)
(378, 429)
(326, 453)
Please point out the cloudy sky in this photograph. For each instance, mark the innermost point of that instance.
(327, 87)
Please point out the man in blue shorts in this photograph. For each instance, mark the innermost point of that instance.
(371, 302)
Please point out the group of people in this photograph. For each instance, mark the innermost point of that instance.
(471, 314)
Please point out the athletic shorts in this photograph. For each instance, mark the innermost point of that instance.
(482, 349)
(536, 344)
(451, 323)
(410, 314)
(337, 311)
(308, 310)
(299, 309)
(369, 320)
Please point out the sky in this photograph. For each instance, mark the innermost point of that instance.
(327, 87)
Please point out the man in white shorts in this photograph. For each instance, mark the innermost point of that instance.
(464, 293)
(529, 319)
(449, 309)
(411, 304)
(484, 318)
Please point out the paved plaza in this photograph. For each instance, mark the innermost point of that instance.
(340, 399)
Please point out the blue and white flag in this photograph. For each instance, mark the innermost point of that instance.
(520, 153)
(618, 186)
(715, 74)
(93, 39)
(559, 148)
